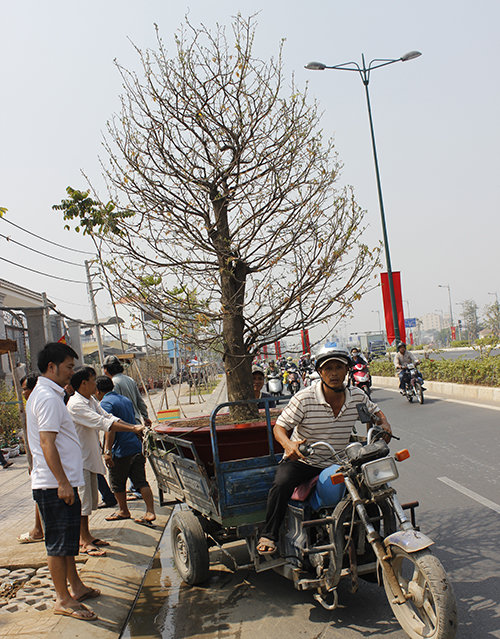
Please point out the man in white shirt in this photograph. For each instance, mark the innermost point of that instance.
(57, 474)
(90, 418)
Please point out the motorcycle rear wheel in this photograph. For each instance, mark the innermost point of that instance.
(430, 612)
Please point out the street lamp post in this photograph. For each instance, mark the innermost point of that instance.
(364, 73)
(379, 323)
(449, 299)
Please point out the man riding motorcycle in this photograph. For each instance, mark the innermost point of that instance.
(401, 361)
(325, 411)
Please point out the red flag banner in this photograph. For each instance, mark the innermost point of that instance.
(306, 346)
(386, 296)
(277, 349)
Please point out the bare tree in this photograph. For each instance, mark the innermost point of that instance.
(228, 192)
(492, 318)
(469, 313)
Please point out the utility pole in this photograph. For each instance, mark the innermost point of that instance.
(93, 307)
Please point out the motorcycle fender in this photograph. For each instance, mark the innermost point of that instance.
(408, 540)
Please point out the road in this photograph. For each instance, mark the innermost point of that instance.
(454, 449)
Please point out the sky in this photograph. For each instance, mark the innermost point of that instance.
(435, 120)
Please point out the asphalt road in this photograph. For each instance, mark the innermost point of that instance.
(454, 450)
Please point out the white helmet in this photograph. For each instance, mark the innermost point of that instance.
(326, 354)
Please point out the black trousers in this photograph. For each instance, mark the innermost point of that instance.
(289, 475)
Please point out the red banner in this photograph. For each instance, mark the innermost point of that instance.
(386, 296)
(264, 351)
(453, 333)
(306, 346)
(277, 349)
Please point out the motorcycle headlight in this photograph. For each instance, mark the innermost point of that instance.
(379, 471)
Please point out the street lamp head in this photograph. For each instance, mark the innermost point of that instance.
(315, 66)
(411, 55)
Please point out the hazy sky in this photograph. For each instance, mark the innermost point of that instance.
(436, 125)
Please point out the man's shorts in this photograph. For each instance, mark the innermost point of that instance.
(89, 493)
(130, 467)
(61, 522)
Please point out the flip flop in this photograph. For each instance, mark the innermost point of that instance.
(26, 538)
(76, 613)
(99, 542)
(264, 543)
(116, 517)
(144, 522)
(90, 594)
(92, 552)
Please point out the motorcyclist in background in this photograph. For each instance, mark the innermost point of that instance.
(402, 358)
(272, 369)
(357, 358)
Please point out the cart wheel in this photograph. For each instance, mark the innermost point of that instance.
(189, 547)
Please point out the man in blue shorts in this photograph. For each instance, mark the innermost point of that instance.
(123, 455)
(57, 474)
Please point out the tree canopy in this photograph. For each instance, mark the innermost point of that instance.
(223, 186)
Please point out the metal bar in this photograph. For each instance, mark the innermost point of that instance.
(318, 522)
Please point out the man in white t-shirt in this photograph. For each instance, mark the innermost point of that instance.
(90, 418)
(57, 474)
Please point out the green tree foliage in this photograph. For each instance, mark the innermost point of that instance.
(471, 320)
(492, 319)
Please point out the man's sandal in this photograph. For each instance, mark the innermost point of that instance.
(266, 546)
(82, 612)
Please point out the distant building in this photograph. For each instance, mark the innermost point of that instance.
(432, 322)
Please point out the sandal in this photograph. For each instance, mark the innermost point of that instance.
(99, 542)
(82, 612)
(26, 538)
(92, 551)
(116, 517)
(266, 546)
(145, 522)
(91, 593)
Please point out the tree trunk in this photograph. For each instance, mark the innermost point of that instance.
(237, 361)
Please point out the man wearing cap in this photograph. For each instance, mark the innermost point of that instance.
(327, 412)
(259, 380)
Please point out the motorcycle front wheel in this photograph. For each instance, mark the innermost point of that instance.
(430, 611)
(419, 392)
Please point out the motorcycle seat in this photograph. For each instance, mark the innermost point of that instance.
(302, 491)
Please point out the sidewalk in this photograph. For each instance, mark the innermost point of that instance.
(118, 575)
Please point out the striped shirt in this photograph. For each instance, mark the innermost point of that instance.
(309, 416)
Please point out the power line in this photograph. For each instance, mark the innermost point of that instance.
(67, 248)
(52, 257)
(56, 277)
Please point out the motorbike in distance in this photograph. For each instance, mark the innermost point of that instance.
(274, 384)
(293, 385)
(360, 377)
(413, 383)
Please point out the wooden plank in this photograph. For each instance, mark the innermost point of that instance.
(7, 346)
